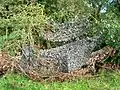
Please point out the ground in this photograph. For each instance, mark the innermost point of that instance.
(103, 81)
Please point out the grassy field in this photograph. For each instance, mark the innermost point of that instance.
(105, 81)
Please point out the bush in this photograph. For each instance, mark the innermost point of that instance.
(20, 25)
(110, 30)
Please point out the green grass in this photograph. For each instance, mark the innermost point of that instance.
(105, 81)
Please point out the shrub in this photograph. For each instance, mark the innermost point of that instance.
(20, 25)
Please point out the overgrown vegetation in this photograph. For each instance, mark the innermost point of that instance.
(23, 18)
(24, 22)
(20, 25)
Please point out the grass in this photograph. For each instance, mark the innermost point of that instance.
(105, 81)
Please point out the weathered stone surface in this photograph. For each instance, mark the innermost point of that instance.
(73, 55)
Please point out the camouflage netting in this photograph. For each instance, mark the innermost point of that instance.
(66, 32)
(73, 55)
(70, 60)
(47, 69)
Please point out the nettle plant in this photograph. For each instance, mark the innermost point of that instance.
(20, 25)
